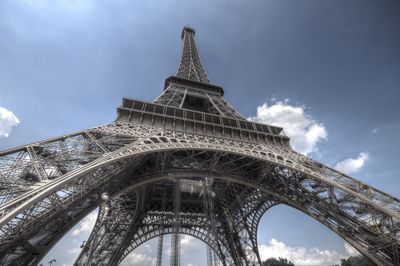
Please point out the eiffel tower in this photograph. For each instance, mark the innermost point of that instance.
(186, 163)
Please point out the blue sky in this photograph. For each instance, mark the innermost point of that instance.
(327, 70)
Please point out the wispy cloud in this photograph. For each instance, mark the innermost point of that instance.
(75, 250)
(378, 129)
(304, 131)
(86, 225)
(351, 166)
(7, 121)
(138, 259)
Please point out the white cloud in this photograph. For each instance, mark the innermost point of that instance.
(7, 121)
(304, 131)
(350, 250)
(191, 247)
(298, 255)
(189, 244)
(350, 166)
(302, 255)
(86, 225)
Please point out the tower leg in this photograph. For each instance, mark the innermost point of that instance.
(239, 219)
(110, 231)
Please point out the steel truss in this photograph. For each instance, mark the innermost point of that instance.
(167, 168)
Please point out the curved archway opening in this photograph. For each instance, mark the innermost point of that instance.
(288, 233)
(192, 252)
(232, 179)
(67, 249)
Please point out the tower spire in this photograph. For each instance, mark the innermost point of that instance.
(190, 66)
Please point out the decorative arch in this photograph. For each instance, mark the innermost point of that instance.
(198, 234)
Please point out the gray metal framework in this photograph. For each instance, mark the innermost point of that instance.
(187, 163)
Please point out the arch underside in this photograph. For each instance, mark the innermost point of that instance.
(230, 232)
(226, 187)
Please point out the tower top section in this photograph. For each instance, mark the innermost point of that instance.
(189, 30)
(190, 67)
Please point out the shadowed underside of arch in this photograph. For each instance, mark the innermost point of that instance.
(224, 189)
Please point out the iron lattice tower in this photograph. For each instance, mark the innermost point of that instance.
(187, 163)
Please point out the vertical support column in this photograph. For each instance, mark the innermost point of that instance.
(160, 250)
(175, 249)
(175, 238)
(208, 201)
(210, 261)
(183, 99)
(161, 237)
(216, 260)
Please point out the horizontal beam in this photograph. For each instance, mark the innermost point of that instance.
(198, 122)
(193, 84)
